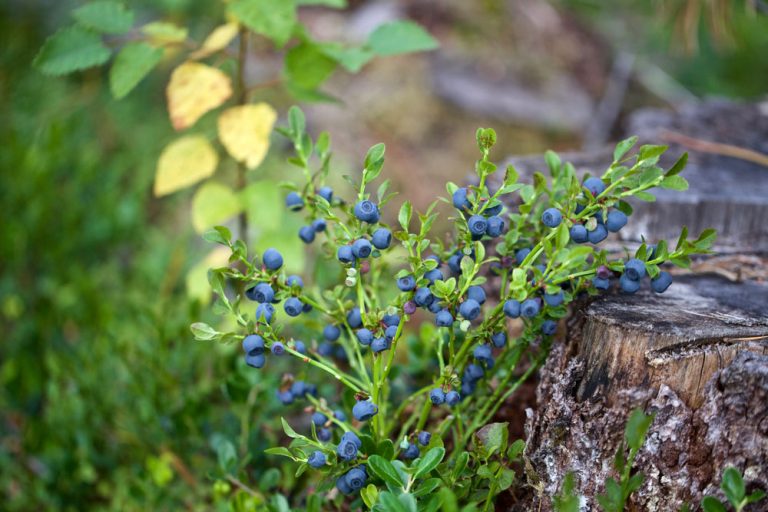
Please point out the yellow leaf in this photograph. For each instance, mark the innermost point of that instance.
(213, 204)
(195, 89)
(162, 33)
(245, 131)
(217, 40)
(197, 277)
(184, 162)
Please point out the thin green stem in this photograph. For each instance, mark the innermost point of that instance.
(347, 380)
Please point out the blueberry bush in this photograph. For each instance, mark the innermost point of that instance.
(381, 298)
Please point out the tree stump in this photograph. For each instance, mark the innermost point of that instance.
(697, 356)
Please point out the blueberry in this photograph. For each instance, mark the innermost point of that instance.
(601, 283)
(325, 349)
(467, 388)
(483, 353)
(476, 293)
(411, 452)
(262, 292)
(356, 478)
(634, 269)
(554, 299)
(406, 283)
(661, 282)
(379, 345)
(549, 327)
(293, 306)
(529, 308)
(331, 332)
(345, 255)
(316, 459)
(598, 234)
(299, 388)
(435, 307)
(351, 437)
(473, 372)
(492, 211)
(361, 248)
(364, 336)
(285, 397)
(628, 285)
(292, 281)
(452, 398)
(454, 263)
(460, 200)
(604, 272)
(390, 320)
(390, 332)
(381, 238)
(499, 339)
(253, 345)
(342, 485)
(306, 308)
(434, 275)
(615, 221)
(354, 318)
(364, 410)
(495, 226)
(257, 361)
(294, 201)
(521, 254)
(347, 450)
(324, 434)
(272, 259)
(326, 193)
(319, 225)
(339, 415)
(319, 419)
(551, 217)
(594, 185)
(367, 211)
(469, 309)
(579, 208)
(437, 396)
(477, 225)
(579, 234)
(265, 313)
(424, 438)
(444, 318)
(423, 297)
(307, 234)
(278, 348)
(512, 308)
(409, 307)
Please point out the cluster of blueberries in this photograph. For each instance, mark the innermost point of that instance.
(295, 202)
(347, 450)
(487, 223)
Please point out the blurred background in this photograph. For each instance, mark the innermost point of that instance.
(106, 401)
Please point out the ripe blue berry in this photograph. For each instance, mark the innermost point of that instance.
(495, 226)
(499, 339)
(444, 318)
(293, 306)
(307, 308)
(354, 318)
(661, 282)
(594, 185)
(285, 397)
(615, 221)
(512, 308)
(477, 225)
(437, 396)
(411, 452)
(423, 297)
(424, 438)
(601, 283)
(579, 233)
(390, 332)
(278, 348)
(326, 193)
(345, 255)
(434, 275)
(460, 200)
(253, 345)
(521, 254)
(326, 349)
(367, 211)
(364, 410)
(469, 309)
(299, 388)
(256, 361)
(551, 217)
(409, 307)
(628, 285)
(361, 248)
(554, 299)
(292, 281)
(324, 434)
(476, 293)
(473, 372)
(390, 320)
(381, 238)
(379, 345)
(491, 211)
(452, 398)
(549, 327)
(265, 313)
(406, 283)
(307, 234)
(319, 419)
(316, 459)
(530, 308)
(262, 292)
(351, 437)
(435, 307)
(634, 269)
(319, 225)
(342, 485)
(294, 201)
(364, 336)
(454, 263)
(356, 478)
(598, 234)
(272, 259)
(347, 450)
(483, 353)
(331, 332)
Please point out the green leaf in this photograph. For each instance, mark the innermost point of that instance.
(288, 430)
(269, 18)
(400, 37)
(553, 162)
(162, 32)
(374, 161)
(225, 452)
(296, 122)
(104, 16)
(679, 165)
(429, 461)
(637, 427)
(203, 331)
(649, 155)
(733, 486)
(384, 469)
(390, 502)
(280, 450)
(131, 65)
(706, 239)
(404, 216)
(351, 58)
(711, 504)
(674, 183)
(307, 66)
(370, 495)
(563, 236)
(219, 234)
(461, 463)
(622, 148)
(427, 487)
(71, 49)
(338, 4)
(755, 496)
(492, 438)
(645, 196)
